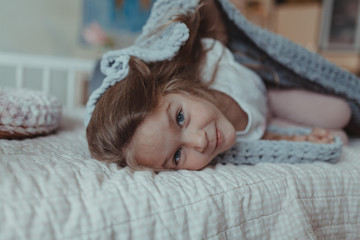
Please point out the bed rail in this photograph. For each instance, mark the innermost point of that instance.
(45, 64)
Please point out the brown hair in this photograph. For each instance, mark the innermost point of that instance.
(124, 106)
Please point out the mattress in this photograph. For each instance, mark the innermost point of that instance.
(50, 188)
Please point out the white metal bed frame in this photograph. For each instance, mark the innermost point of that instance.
(47, 64)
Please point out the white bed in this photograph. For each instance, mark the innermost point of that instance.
(50, 188)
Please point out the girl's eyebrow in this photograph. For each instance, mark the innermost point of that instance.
(170, 123)
(168, 112)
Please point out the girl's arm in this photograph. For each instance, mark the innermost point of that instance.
(318, 135)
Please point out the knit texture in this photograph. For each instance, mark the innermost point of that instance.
(293, 65)
(25, 113)
(281, 151)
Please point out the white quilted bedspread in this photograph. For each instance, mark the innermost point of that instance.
(50, 188)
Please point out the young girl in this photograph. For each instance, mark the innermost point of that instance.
(181, 113)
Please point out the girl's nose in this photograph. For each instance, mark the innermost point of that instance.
(197, 140)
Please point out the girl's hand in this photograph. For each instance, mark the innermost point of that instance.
(317, 135)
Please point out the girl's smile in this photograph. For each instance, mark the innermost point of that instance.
(218, 138)
(184, 132)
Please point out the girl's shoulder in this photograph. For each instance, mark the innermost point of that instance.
(219, 57)
(216, 51)
(211, 44)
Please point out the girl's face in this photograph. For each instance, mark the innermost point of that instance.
(184, 132)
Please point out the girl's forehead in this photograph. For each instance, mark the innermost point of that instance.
(156, 124)
(152, 140)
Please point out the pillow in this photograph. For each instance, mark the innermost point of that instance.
(27, 113)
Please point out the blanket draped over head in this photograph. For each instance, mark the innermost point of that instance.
(293, 65)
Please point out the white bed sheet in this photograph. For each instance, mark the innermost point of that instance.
(50, 188)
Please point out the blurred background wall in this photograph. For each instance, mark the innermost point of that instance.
(40, 26)
(56, 28)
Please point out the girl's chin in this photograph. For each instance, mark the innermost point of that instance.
(226, 147)
(231, 140)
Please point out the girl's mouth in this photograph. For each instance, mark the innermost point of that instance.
(218, 138)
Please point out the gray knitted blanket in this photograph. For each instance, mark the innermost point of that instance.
(281, 151)
(295, 67)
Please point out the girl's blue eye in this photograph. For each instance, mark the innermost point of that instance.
(177, 156)
(180, 118)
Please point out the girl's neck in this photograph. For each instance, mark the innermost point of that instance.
(232, 111)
